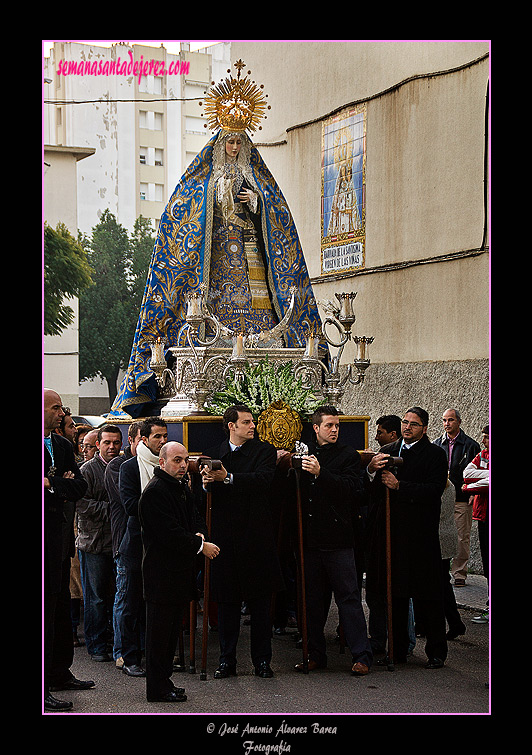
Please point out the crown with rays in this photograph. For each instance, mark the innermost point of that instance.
(235, 104)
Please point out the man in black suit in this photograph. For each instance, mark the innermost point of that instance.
(248, 568)
(63, 485)
(416, 487)
(331, 492)
(172, 536)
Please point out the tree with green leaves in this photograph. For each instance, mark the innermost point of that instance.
(66, 275)
(108, 311)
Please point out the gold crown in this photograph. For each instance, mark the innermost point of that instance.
(235, 104)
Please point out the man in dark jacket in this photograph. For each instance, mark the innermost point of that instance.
(331, 490)
(134, 475)
(94, 545)
(248, 568)
(63, 485)
(172, 535)
(415, 488)
(119, 518)
(460, 450)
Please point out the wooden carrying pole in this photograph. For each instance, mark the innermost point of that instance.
(389, 584)
(192, 638)
(194, 467)
(303, 601)
(206, 591)
(393, 464)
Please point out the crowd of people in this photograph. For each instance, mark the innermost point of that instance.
(126, 540)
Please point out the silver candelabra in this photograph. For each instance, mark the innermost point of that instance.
(204, 364)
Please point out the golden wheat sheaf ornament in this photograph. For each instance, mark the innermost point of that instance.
(235, 104)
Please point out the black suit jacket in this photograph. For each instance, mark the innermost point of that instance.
(117, 512)
(58, 509)
(247, 566)
(130, 490)
(415, 519)
(330, 502)
(169, 523)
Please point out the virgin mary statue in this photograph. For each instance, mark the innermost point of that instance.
(227, 228)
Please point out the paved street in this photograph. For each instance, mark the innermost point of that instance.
(460, 687)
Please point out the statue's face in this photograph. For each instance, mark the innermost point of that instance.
(232, 146)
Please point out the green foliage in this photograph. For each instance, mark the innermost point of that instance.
(66, 275)
(142, 243)
(262, 385)
(108, 312)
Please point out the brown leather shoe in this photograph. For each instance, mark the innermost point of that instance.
(359, 669)
(311, 665)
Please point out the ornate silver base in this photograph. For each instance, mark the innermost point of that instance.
(202, 371)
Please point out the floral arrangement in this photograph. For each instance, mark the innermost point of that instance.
(262, 385)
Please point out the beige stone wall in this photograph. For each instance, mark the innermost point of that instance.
(424, 292)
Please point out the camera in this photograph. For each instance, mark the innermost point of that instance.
(212, 464)
(392, 462)
(197, 462)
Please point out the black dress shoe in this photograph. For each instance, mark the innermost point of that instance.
(452, 634)
(101, 657)
(434, 663)
(72, 684)
(224, 670)
(263, 670)
(53, 704)
(133, 670)
(386, 661)
(171, 697)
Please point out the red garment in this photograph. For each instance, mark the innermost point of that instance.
(476, 481)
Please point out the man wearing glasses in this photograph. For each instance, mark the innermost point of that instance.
(415, 489)
(89, 446)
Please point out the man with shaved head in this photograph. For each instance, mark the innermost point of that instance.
(173, 533)
(63, 485)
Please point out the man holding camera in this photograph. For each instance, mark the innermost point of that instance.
(415, 488)
(247, 568)
(330, 493)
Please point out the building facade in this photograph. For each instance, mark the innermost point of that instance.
(381, 150)
(61, 353)
(137, 108)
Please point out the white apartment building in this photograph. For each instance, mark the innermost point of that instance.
(144, 130)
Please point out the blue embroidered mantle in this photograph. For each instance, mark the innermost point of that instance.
(181, 262)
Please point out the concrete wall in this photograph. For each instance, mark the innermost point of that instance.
(424, 291)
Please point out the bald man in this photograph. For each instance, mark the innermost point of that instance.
(172, 536)
(63, 485)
